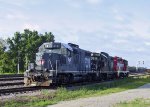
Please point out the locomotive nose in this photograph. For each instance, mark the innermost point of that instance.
(48, 61)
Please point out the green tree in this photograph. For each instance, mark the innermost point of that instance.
(23, 46)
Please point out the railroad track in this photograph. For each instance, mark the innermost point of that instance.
(21, 90)
(136, 74)
(11, 84)
(11, 75)
(11, 79)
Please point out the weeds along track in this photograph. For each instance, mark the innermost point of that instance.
(75, 86)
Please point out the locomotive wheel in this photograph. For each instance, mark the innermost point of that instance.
(121, 75)
(70, 78)
(84, 78)
(60, 78)
(94, 78)
(104, 76)
(99, 77)
(89, 78)
(65, 79)
(112, 76)
(127, 75)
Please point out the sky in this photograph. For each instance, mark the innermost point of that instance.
(118, 27)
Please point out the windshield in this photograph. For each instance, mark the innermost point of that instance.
(58, 51)
(94, 58)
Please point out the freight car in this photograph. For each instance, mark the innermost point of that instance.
(59, 63)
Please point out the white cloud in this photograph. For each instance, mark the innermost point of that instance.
(16, 16)
(10, 10)
(118, 14)
(13, 2)
(79, 3)
(141, 28)
(94, 1)
(66, 37)
(73, 3)
(31, 26)
(120, 41)
(147, 43)
(140, 49)
(19, 3)
(119, 18)
(131, 24)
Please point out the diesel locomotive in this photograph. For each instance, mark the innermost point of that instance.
(59, 63)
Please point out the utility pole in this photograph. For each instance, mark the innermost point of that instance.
(18, 61)
(137, 66)
(19, 37)
(26, 61)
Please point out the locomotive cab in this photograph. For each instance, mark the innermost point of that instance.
(120, 66)
(96, 62)
(50, 59)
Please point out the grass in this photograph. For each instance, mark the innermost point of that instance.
(62, 94)
(135, 103)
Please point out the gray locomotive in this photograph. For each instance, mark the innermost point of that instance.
(59, 63)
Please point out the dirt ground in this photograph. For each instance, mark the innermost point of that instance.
(108, 100)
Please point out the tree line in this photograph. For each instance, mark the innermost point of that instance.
(22, 48)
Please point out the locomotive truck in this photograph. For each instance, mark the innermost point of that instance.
(59, 63)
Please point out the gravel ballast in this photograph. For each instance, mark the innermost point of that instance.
(108, 100)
